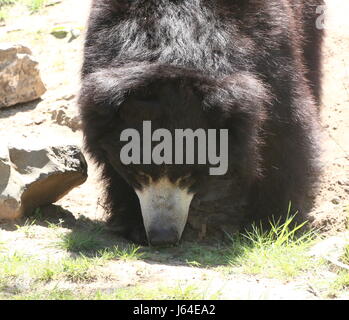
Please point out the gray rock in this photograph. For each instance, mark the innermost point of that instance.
(19, 76)
(31, 177)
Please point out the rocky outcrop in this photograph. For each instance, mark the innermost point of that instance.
(19, 76)
(31, 177)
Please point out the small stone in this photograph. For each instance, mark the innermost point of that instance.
(335, 201)
(65, 116)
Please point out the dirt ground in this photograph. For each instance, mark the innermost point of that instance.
(60, 62)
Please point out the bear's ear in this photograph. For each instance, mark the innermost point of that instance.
(240, 96)
(108, 89)
(100, 92)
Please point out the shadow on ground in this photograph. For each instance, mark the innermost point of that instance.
(19, 108)
(91, 238)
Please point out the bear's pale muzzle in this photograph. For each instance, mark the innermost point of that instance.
(165, 208)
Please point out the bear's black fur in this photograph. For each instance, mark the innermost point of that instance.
(252, 66)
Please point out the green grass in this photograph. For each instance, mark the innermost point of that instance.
(55, 226)
(128, 253)
(80, 241)
(177, 292)
(20, 266)
(14, 265)
(55, 294)
(27, 228)
(345, 257)
(341, 283)
(17, 268)
(92, 243)
(33, 6)
(279, 252)
(80, 269)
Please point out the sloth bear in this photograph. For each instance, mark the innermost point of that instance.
(251, 67)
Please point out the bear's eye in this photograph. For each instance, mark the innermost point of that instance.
(186, 180)
(143, 178)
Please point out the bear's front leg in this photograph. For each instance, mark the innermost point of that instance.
(291, 169)
(125, 216)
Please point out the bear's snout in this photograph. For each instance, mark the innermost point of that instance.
(163, 236)
(165, 208)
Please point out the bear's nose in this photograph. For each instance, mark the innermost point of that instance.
(163, 237)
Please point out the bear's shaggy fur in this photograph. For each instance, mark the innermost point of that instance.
(252, 66)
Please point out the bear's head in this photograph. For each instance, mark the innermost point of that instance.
(168, 130)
